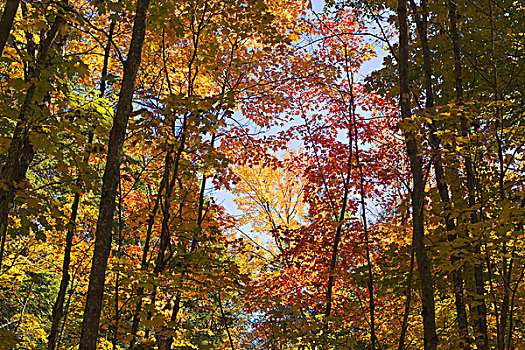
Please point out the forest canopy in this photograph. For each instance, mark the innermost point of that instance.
(374, 208)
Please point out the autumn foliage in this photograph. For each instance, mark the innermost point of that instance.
(262, 174)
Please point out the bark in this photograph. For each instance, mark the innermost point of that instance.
(110, 179)
(28, 294)
(511, 311)
(458, 75)
(480, 310)
(480, 318)
(418, 192)
(505, 306)
(480, 321)
(58, 307)
(406, 313)
(225, 321)
(370, 284)
(117, 278)
(165, 236)
(442, 185)
(6, 22)
(166, 342)
(20, 153)
(338, 232)
(144, 261)
(507, 266)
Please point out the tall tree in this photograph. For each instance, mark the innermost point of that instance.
(58, 307)
(421, 19)
(418, 189)
(110, 180)
(21, 152)
(6, 22)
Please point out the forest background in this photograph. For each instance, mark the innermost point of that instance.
(391, 205)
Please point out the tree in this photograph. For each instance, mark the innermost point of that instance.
(6, 22)
(110, 180)
(356, 190)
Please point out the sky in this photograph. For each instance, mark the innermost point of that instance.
(225, 198)
(317, 5)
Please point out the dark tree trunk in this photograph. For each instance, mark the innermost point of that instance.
(464, 128)
(418, 192)
(370, 282)
(339, 230)
(442, 185)
(20, 153)
(165, 235)
(164, 342)
(110, 180)
(408, 293)
(6, 23)
(147, 243)
(507, 265)
(58, 307)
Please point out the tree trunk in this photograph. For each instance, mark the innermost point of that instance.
(442, 185)
(370, 282)
(165, 237)
(418, 192)
(58, 307)
(408, 293)
(110, 179)
(507, 266)
(166, 342)
(144, 261)
(6, 23)
(338, 231)
(480, 310)
(20, 153)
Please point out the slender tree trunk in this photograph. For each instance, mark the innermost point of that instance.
(458, 280)
(165, 235)
(507, 266)
(480, 312)
(20, 153)
(370, 284)
(406, 313)
(95, 294)
(505, 305)
(338, 231)
(480, 320)
(225, 321)
(480, 309)
(166, 342)
(418, 192)
(119, 256)
(58, 307)
(511, 311)
(6, 22)
(144, 261)
(443, 189)
(151, 220)
(22, 312)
